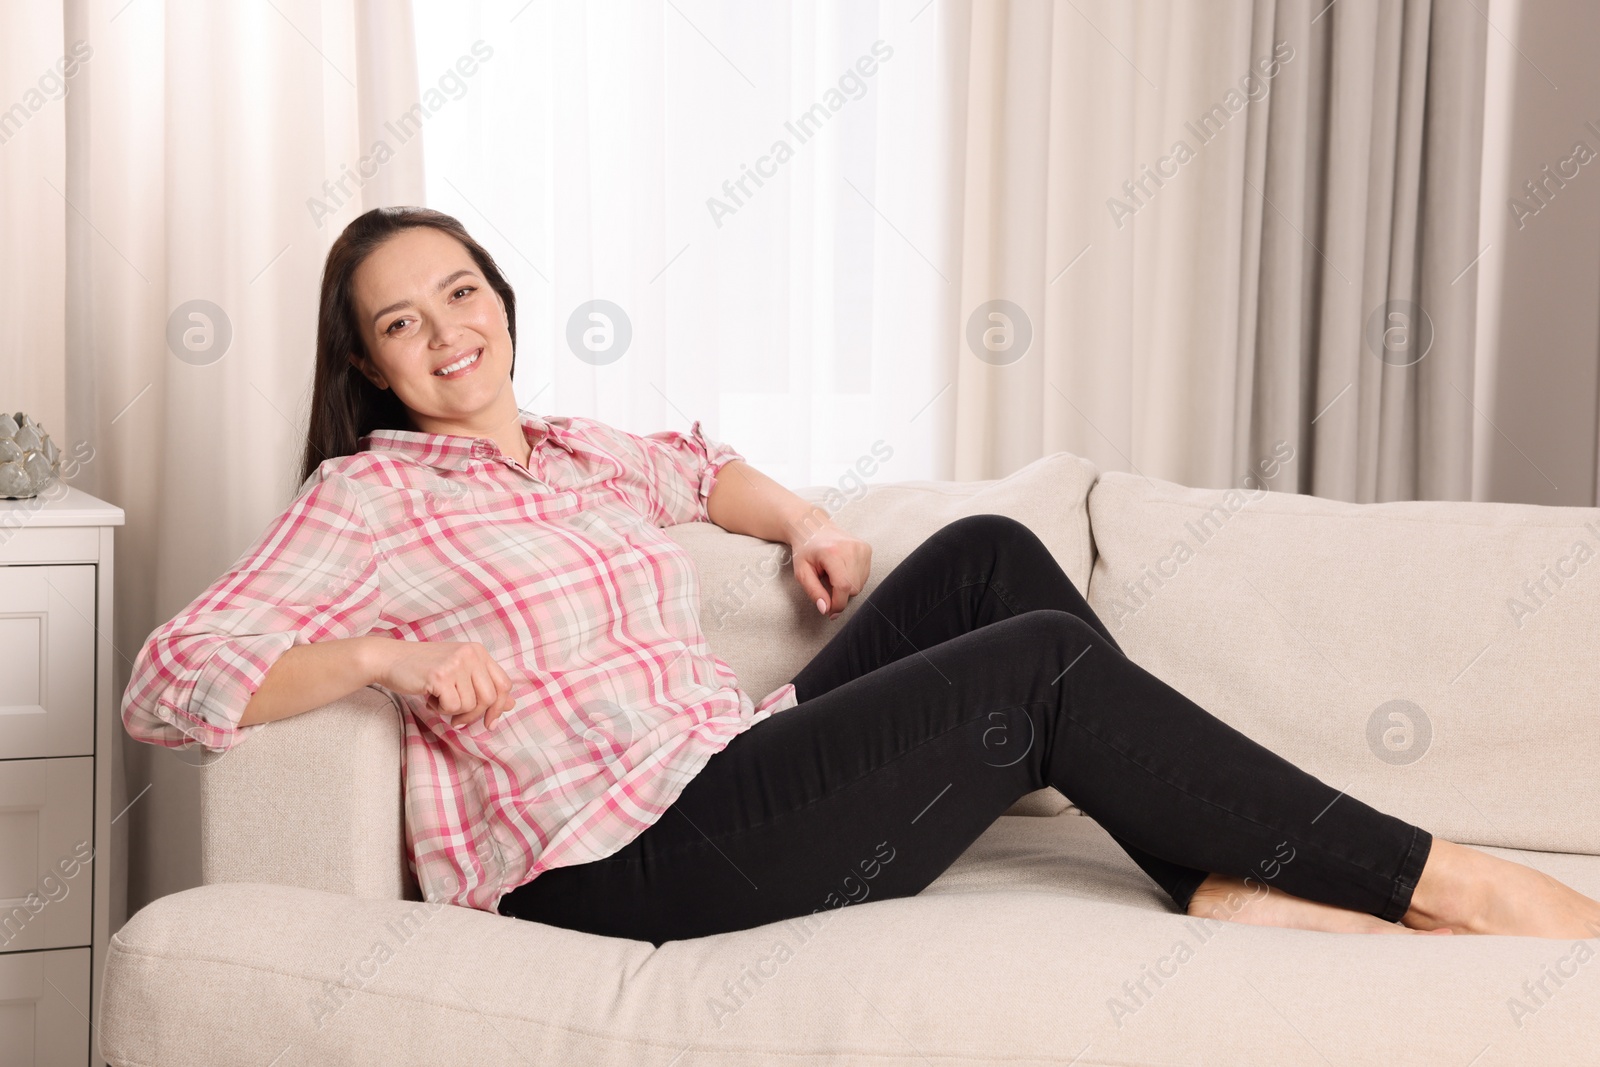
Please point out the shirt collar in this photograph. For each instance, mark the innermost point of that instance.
(456, 451)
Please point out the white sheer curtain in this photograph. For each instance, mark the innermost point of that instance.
(830, 303)
(799, 318)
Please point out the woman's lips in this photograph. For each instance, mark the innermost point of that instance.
(464, 371)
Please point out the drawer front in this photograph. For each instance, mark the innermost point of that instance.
(41, 996)
(46, 852)
(47, 642)
(23, 540)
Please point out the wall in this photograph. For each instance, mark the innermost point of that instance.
(1539, 281)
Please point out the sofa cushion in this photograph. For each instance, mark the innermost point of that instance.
(1042, 944)
(1439, 661)
(758, 619)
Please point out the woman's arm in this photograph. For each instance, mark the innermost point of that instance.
(666, 474)
(745, 501)
(311, 675)
(461, 679)
(289, 629)
(311, 576)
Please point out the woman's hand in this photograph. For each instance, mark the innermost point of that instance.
(830, 565)
(830, 553)
(461, 680)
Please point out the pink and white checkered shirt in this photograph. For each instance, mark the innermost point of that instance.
(561, 571)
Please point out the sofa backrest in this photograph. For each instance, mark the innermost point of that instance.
(757, 618)
(1439, 661)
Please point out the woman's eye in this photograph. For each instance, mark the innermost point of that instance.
(395, 323)
(465, 289)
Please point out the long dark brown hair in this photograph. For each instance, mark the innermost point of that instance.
(345, 406)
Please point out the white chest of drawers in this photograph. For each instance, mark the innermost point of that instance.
(57, 716)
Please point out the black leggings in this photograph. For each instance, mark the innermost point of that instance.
(972, 675)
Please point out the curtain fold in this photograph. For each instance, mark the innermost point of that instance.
(1449, 245)
(35, 57)
(202, 159)
(1231, 231)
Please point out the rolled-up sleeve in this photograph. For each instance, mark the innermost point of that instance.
(311, 576)
(671, 474)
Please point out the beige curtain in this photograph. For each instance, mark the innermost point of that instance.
(1200, 211)
(181, 165)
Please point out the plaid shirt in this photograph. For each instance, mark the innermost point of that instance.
(560, 569)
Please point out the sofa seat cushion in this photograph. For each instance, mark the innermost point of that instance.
(1042, 943)
(1437, 660)
(758, 618)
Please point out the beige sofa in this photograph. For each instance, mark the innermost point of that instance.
(1381, 647)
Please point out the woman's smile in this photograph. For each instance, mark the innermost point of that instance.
(460, 368)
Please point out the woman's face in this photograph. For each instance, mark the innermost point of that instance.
(422, 305)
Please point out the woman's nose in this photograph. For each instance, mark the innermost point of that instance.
(445, 332)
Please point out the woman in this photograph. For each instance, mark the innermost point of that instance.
(575, 754)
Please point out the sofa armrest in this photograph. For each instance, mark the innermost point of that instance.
(313, 800)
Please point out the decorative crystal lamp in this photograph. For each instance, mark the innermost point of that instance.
(29, 460)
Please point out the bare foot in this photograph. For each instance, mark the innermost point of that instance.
(1225, 897)
(1472, 892)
